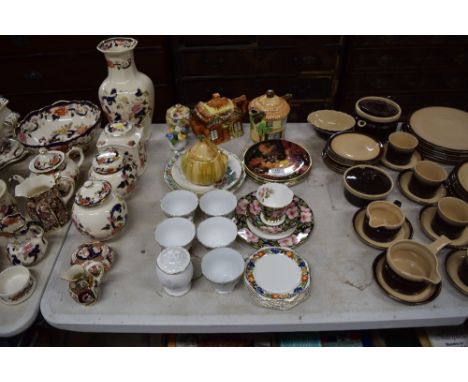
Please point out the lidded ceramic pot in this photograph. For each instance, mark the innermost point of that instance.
(117, 169)
(126, 138)
(204, 163)
(98, 211)
(178, 115)
(268, 115)
(126, 94)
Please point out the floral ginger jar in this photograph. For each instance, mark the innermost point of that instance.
(98, 211)
(126, 94)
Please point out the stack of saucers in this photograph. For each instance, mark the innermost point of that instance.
(348, 149)
(457, 182)
(442, 134)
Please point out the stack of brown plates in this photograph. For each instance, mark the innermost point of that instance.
(442, 134)
(277, 160)
(348, 149)
(457, 182)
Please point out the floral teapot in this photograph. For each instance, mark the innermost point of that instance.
(84, 281)
(45, 204)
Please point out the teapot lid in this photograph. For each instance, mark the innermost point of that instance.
(108, 162)
(177, 112)
(46, 161)
(92, 193)
(275, 107)
(118, 129)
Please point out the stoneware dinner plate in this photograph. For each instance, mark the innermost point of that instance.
(277, 278)
(277, 160)
(256, 238)
(406, 231)
(428, 294)
(425, 217)
(453, 262)
(403, 181)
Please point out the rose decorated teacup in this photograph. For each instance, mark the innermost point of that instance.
(273, 199)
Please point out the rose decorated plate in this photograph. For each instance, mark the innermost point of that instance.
(232, 179)
(298, 210)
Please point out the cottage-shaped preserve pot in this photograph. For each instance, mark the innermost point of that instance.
(219, 119)
(268, 115)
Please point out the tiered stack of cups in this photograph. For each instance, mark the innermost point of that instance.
(222, 266)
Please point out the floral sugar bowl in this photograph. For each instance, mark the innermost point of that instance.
(94, 251)
(117, 169)
(178, 125)
(98, 211)
(126, 138)
(268, 115)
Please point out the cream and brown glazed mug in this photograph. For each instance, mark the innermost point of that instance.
(401, 147)
(427, 177)
(451, 217)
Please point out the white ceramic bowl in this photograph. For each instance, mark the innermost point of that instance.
(14, 281)
(218, 203)
(216, 232)
(179, 203)
(223, 267)
(175, 232)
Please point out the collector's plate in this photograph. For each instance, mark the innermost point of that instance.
(277, 160)
(256, 238)
(176, 180)
(277, 278)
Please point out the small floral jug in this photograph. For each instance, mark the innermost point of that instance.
(28, 245)
(84, 281)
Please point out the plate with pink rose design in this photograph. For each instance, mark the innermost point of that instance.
(298, 211)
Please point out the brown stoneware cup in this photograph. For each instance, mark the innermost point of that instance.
(383, 220)
(451, 217)
(401, 147)
(427, 178)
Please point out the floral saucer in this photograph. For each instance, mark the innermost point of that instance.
(11, 151)
(292, 216)
(277, 278)
(232, 180)
(296, 235)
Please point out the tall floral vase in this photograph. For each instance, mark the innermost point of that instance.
(126, 94)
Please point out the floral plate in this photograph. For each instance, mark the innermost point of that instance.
(298, 209)
(60, 125)
(176, 180)
(277, 278)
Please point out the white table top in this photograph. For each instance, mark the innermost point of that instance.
(344, 294)
(15, 319)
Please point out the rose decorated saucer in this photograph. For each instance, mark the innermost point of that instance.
(231, 181)
(11, 151)
(277, 278)
(405, 232)
(292, 218)
(424, 296)
(415, 158)
(290, 238)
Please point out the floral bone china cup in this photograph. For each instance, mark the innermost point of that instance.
(273, 199)
(84, 281)
(28, 245)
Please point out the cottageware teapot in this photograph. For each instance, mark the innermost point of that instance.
(117, 169)
(219, 119)
(45, 204)
(126, 138)
(268, 115)
(98, 211)
(28, 245)
(84, 281)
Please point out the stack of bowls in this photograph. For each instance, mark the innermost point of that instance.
(457, 182)
(328, 122)
(348, 149)
(442, 133)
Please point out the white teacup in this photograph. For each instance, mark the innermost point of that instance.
(175, 232)
(223, 267)
(218, 203)
(179, 203)
(216, 232)
(16, 284)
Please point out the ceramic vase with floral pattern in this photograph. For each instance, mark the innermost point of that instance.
(126, 94)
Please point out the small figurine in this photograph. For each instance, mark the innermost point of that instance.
(178, 123)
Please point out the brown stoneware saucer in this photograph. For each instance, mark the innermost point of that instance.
(453, 262)
(403, 181)
(406, 231)
(425, 217)
(426, 295)
(414, 159)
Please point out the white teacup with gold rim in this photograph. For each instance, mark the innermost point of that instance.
(273, 199)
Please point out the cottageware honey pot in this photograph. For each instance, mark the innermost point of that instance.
(268, 115)
(45, 203)
(219, 119)
(98, 211)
